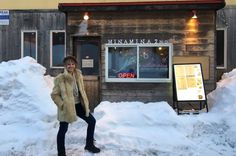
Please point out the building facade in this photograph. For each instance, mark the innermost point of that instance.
(226, 40)
(126, 49)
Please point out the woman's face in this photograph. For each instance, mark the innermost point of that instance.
(70, 66)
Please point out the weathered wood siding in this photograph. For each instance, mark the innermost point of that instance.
(173, 26)
(42, 21)
(227, 19)
(231, 36)
(91, 84)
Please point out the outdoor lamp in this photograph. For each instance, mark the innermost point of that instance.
(86, 16)
(194, 14)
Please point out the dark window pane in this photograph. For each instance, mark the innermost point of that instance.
(29, 44)
(153, 62)
(122, 62)
(89, 57)
(220, 48)
(138, 63)
(58, 48)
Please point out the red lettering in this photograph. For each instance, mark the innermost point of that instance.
(120, 75)
(126, 75)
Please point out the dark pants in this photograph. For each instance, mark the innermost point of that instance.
(64, 127)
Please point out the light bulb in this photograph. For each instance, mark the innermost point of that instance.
(86, 17)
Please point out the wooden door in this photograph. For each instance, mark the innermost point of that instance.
(87, 52)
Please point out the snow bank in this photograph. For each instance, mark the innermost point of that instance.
(223, 98)
(28, 124)
(26, 110)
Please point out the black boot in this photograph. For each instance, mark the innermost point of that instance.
(91, 148)
(61, 153)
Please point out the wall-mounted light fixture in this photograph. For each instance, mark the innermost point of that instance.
(86, 16)
(194, 14)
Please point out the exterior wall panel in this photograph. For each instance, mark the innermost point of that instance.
(172, 25)
(226, 19)
(164, 25)
(41, 21)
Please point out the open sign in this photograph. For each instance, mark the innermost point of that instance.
(126, 75)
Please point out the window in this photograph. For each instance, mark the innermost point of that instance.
(29, 44)
(57, 48)
(138, 63)
(221, 48)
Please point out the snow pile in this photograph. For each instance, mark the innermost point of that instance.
(28, 124)
(139, 129)
(224, 96)
(26, 116)
(135, 128)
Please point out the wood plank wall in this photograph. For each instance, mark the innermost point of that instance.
(230, 14)
(170, 25)
(91, 84)
(41, 20)
(227, 19)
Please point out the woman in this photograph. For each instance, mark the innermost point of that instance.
(70, 97)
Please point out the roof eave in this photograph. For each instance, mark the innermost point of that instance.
(152, 5)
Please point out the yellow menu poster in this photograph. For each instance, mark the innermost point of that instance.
(189, 82)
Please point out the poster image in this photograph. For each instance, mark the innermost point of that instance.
(189, 82)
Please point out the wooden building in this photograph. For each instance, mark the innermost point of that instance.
(226, 38)
(126, 49)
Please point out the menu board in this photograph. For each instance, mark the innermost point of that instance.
(189, 82)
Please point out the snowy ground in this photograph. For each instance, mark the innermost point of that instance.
(28, 124)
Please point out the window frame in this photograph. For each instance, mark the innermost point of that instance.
(140, 80)
(51, 47)
(36, 42)
(225, 49)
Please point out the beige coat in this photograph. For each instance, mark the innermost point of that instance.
(63, 97)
